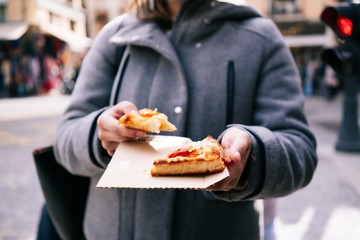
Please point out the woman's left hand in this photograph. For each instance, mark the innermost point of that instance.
(237, 146)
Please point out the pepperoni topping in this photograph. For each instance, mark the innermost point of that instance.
(183, 153)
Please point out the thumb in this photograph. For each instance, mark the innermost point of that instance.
(235, 155)
(232, 154)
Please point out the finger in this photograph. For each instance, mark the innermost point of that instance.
(116, 135)
(111, 152)
(128, 132)
(124, 107)
(109, 145)
(108, 124)
(220, 186)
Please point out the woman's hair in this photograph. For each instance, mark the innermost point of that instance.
(158, 11)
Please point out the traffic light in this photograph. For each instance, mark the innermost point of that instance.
(344, 20)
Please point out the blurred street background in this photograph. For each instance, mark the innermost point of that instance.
(42, 44)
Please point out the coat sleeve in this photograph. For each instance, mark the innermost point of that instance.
(76, 140)
(283, 155)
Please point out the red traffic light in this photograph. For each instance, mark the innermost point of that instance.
(344, 25)
(343, 19)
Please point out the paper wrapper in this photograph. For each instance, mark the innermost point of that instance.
(130, 166)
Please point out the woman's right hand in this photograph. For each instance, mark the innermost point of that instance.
(111, 133)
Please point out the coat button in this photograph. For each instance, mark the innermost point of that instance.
(206, 20)
(177, 109)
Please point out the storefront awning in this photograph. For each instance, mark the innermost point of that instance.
(12, 30)
(62, 9)
(76, 42)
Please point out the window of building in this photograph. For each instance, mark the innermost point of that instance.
(55, 19)
(286, 7)
(2, 11)
(72, 25)
(52, 17)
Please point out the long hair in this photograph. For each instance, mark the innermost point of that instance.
(156, 10)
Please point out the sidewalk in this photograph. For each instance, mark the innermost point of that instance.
(51, 104)
(329, 207)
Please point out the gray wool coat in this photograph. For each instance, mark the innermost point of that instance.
(220, 64)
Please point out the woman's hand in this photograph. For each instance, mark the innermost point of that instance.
(237, 146)
(111, 133)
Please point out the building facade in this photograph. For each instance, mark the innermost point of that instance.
(64, 19)
(41, 42)
(102, 11)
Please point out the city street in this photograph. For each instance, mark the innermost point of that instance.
(327, 209)
(25, 124)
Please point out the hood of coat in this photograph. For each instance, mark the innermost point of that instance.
(219, 10)
(196, 20)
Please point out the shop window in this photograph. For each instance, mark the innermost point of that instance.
(101, 19)
(2, 12)
(286, 7)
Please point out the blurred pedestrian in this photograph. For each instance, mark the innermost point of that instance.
(46, 228)
(309, 76)
(214, 68)
(270, 214)
(331, 83)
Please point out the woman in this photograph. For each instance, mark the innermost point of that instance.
(215, 69)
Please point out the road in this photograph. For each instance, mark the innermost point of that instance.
(327, 209)
(25, 124)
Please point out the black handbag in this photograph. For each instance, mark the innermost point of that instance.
(65, 194)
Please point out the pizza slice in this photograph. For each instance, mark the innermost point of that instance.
(204, 156)
(148, 120)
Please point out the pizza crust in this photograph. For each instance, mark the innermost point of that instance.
(204, 156)
(195, 166)
(148, 120)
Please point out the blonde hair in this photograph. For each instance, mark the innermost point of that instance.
(156, 10)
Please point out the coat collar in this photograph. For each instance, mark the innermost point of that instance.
(197, 19)
(145, 34)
